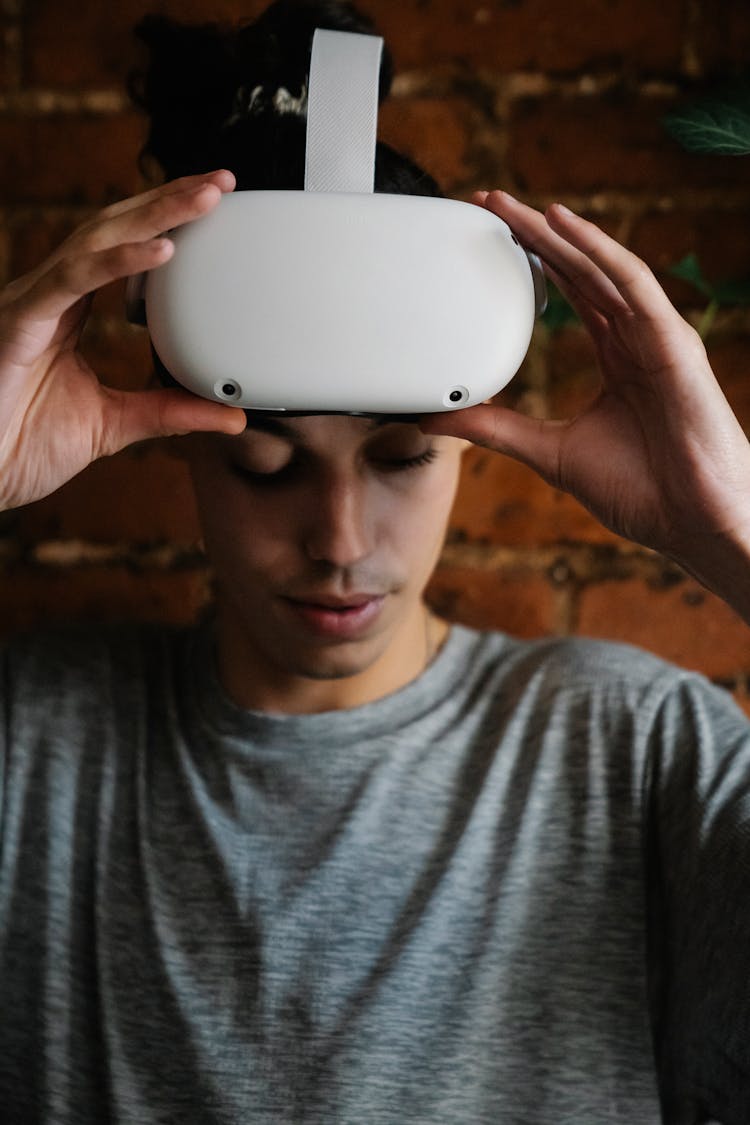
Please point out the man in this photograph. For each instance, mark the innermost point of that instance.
(327, 860)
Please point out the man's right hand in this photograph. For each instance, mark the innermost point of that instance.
(55, 415)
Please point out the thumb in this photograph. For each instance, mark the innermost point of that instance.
(534, 441)
(133, 416)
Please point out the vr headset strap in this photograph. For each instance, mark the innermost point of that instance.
(342, 112)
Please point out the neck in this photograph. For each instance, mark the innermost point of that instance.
(255, 682)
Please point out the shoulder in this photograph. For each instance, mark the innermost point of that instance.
(609, 685)
(572, 664)
(67, 666)
(70, 645)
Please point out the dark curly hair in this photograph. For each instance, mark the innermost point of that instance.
(198, 84)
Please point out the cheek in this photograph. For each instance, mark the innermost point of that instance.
(415, 519)
(264, 534)
(243, 535)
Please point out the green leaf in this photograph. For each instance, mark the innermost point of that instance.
(712, 125)
(733, 292)
(689, 269)
(558, 312)
(722, 292)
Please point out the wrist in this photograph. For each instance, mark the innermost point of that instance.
(720, 561)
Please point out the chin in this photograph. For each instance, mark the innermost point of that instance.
(330, 665)
(328, 675)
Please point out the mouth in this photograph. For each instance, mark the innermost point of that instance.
(336, 618)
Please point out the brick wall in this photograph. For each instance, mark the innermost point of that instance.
(549, 99)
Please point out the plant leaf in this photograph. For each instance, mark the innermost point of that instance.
(689, 269)
(733, 292)
(722, 292)
(712, 126)
(559, 311)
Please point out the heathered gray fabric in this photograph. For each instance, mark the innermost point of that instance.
(492, 897)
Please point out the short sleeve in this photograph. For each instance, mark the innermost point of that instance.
(698, 874)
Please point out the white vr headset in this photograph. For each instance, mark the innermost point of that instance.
(337, 299)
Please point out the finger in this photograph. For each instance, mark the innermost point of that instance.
(533, 441)
(222, 178)
(135, 224)
(631, 277)
(151, 213)
(76, 276)
(533, 229)
(149, 219)
(133, 416)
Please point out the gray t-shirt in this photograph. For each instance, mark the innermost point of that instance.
(516, 891)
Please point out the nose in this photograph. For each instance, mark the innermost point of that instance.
(339, 528)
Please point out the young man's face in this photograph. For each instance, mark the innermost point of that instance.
(322, 532)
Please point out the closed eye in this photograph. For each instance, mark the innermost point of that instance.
(274, 476)
(397, 464)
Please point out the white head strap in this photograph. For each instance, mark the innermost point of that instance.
(342, 112)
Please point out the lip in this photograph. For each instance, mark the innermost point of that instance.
(336, 618)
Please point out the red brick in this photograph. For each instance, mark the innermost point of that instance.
(5, 241)
(722, 35)
(523, 605)
(74, 159)
(8, 51)
(682, 623)
(501, 501)
(728, 358)
(435, 132)
(34, 235)
(534, 34)
(574, 379)
(613, 142)
(720, 239)
(141, 495)
(41, 597)
(93, 44)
